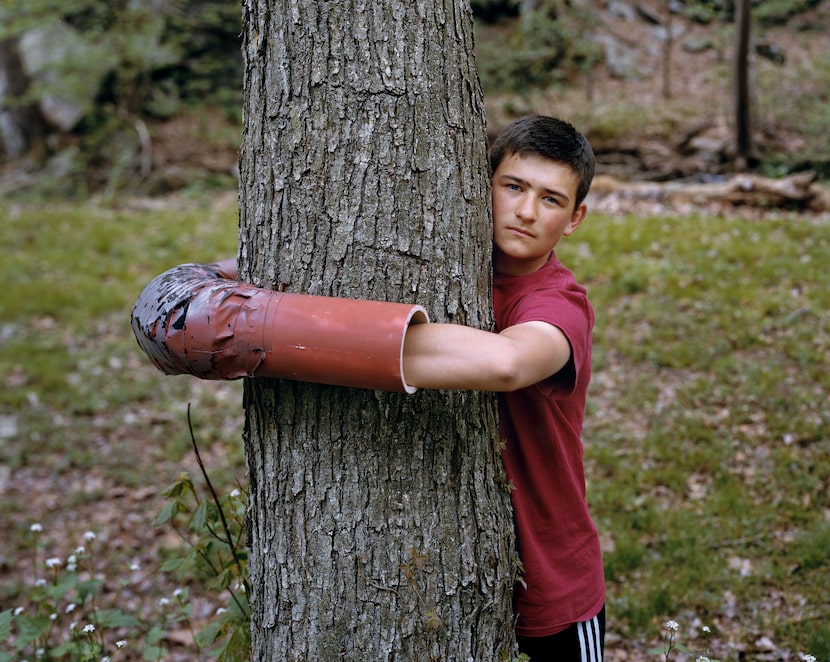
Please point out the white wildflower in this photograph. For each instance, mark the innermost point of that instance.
(89, 536)
(121, 643)
(703, 658)
(706, 629)
(40, 582)
(220, 611)
(71, 607)
(40, 652)
(53, 616)
(19, 611)
(163, 602)
(54, 562)
(809, 658)
(36, 528)
(106, 658)
(178, 592)
(235, 493)
(89, 628)
(672, 625)
(134, 567)
(80, 549)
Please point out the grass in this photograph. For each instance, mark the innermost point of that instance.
(707, 440)
(90, 434)
(709, 430)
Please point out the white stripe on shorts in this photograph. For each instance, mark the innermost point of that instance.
(589, 644)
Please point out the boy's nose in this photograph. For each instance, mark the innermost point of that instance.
(524, 208)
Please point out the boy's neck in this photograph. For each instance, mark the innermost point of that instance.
(505, 266)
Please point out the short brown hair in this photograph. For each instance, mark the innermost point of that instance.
(550, 138)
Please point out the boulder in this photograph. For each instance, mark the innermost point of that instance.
(66, 71)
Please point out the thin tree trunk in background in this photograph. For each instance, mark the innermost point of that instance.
(21, 126)
(380, 525)
(668, 46)
(741, 82)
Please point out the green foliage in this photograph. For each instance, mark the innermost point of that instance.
(185, 48)
(213, 529)
(776, 12)
(60, 618)
(543, 50)
(765, 12)
(119, 64)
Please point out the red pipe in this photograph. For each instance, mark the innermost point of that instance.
(197, 319)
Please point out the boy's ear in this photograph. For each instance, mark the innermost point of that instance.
(576, 218)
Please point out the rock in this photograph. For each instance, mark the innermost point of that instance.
(621, 10)
(66, 69)
(621, 60)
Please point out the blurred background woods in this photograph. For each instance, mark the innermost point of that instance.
(144, 96)
(86, 86)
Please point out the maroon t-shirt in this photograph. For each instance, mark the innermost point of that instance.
(542, 424)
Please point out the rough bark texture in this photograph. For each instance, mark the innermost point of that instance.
(380, 526)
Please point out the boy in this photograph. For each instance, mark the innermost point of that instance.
(539, 362)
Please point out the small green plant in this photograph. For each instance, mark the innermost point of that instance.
(61, 617)
(213, 530)
(670, 644)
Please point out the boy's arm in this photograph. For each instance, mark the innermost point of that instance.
(451, 356)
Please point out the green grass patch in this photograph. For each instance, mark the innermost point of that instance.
(707, 435)
(71, 275)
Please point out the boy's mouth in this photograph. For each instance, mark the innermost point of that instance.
(519, 231)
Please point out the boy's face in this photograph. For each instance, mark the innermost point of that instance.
(533, 208)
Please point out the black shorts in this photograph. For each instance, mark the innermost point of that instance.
(581, 642)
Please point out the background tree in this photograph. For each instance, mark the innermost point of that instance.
(742, 86)
(668, 47)
(380, 525)
(20, 123)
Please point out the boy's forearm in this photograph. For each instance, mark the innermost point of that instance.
(451, 356)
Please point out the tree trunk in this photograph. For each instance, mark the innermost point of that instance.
(380, 524)
(668, 47)
(743, 114)
(20, 123)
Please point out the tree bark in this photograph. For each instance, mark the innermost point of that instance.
(380, 525)
(742, 103)
(668, 47)
(20, 123)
